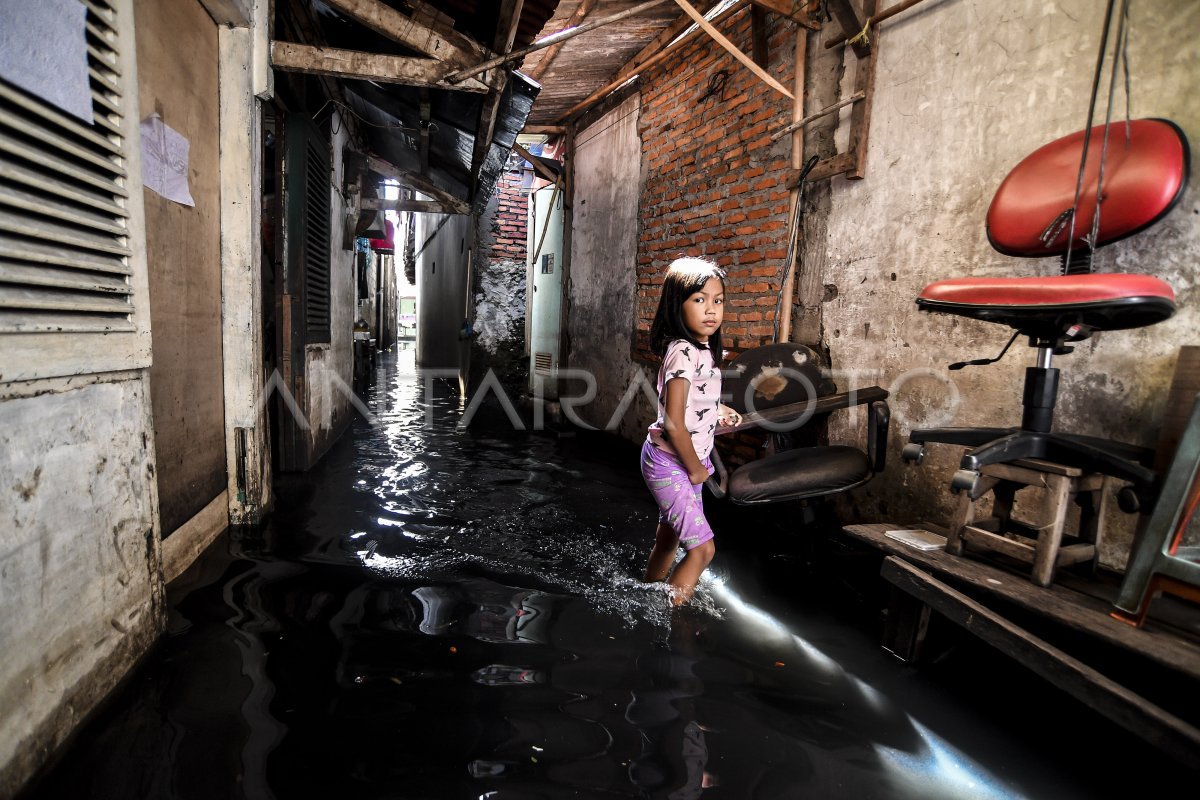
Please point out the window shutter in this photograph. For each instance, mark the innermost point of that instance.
(65, 250)
(308, 189)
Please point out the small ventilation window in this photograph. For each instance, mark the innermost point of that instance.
(64, 238)
(543, 362)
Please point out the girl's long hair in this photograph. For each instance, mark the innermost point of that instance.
(685, 277)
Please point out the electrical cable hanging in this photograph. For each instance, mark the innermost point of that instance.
(1070, 215)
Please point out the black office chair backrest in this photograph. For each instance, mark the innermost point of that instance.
(775, 375)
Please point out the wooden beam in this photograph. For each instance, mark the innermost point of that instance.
(292, 57)
(538, 166)
(554, 38)
(852, 24)
(510, 11)
(860, 115)
(486, 127)
(419, 206)
(548, 130)
(418, 182)
(1128, 709)
(887, 13)
(662, 46)
(581, 12)
(798, 12)
(449, 46)
(732, 48)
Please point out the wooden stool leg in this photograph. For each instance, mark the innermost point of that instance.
(1050, 538)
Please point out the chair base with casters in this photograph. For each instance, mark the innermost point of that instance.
(1160, 560)
(780, 388)
(1145, 178)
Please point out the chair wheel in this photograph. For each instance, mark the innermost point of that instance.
(1128, 500)
(964, 480)
(913, 453)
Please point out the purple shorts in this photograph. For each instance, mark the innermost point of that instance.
(679, 501)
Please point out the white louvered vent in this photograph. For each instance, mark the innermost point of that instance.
(543, 362)
(64, 243)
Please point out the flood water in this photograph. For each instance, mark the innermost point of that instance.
(438, 612)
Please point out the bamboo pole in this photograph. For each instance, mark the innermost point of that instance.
(793, 246)
(887, 13)
(667, 50)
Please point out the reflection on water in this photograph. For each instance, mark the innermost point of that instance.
(439, 613)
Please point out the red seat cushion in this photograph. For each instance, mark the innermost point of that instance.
(1054, 290)
(1143, 179)
(1045, 307)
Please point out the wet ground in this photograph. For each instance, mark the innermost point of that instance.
(439, 612)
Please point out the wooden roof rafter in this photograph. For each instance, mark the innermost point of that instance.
(449, 204)
(505, 35)
(315, 60)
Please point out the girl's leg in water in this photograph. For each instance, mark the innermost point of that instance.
(688, 572)
(662, 556)
(681, 520)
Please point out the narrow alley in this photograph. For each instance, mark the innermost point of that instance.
(439, 612)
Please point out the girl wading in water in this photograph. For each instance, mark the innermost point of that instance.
(675, 458)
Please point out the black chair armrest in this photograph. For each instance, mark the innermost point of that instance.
(718, 482)
(795, 415)
(879, 417)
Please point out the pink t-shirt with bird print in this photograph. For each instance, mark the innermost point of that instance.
(695, 365)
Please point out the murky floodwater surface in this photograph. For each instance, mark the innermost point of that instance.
(436, 612)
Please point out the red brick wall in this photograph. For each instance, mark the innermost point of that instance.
(511, 220)
(714, 181)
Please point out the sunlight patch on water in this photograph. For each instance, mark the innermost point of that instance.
(935, 770)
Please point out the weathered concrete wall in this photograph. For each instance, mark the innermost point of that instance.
(177, 59)
(964, 90)
(443, 245)
(79, 556)
(600, 321)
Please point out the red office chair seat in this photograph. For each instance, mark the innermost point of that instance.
(1048, 306)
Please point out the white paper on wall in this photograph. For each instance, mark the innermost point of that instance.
(43, 50)
(165, 160)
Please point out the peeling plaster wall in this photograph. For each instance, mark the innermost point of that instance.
(603, 267)
(80, 571)
(964, 90)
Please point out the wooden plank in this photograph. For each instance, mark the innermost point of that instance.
(887, 13)
(581, 12)
(419, 206)
(538, 167)
(545, 130)
(421, 184)
(663, 45)
(797, 12)
(561, 36)
(425, 72)
(449, 46)
(720, 39)
(1128, 709)
(860, 115)
(1068, 608)
(834, 165)
(851, 23)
